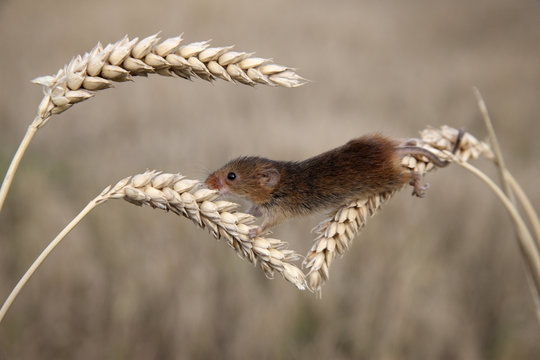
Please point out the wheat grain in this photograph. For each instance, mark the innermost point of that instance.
(335, 234)
(103, 65)
(186, 197)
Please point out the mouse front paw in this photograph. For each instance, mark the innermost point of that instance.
(254, 232)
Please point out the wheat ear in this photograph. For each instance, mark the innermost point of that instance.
(335, 234)
(186, 197)
(100, 68)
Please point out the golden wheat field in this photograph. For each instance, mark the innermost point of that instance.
(434, 278)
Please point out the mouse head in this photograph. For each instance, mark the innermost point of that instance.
(252, 177)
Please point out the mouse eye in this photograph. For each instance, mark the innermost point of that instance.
(231, 176)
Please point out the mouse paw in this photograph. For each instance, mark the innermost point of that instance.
(253, 233)
(418, 189)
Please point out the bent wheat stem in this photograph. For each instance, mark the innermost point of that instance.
(498, 158)
(509, 184)
(511, 190)
(526, 203)
(32, 269)
(186, 197)
(527, 245)
(12, 169)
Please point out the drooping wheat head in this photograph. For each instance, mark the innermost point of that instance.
(335, 233)
(186, 197)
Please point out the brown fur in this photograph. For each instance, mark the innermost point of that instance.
(280, 189)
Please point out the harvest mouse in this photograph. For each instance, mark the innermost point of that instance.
(282, 189)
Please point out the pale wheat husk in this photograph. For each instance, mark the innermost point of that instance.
(102, 66)
(186, 197)
(335, 233)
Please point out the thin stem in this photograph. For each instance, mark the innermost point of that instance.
(527, 206)
(526, 242)
(494, 143)
(24, 279)
(17, 159)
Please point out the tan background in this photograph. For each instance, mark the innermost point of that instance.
(438, 278)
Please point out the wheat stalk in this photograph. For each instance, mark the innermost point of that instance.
(335, 234)
(99, 69)
(528, 245)
(187, 197)
(529, 251)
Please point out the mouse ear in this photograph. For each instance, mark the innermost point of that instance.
(268, 178)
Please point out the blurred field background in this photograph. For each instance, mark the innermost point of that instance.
(437, 278)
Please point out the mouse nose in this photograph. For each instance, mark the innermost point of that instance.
(214, 183)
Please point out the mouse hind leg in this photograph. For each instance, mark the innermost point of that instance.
(419, 190)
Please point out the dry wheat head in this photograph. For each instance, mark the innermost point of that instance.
(335, 234)
(103, 65)
(186, 197)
